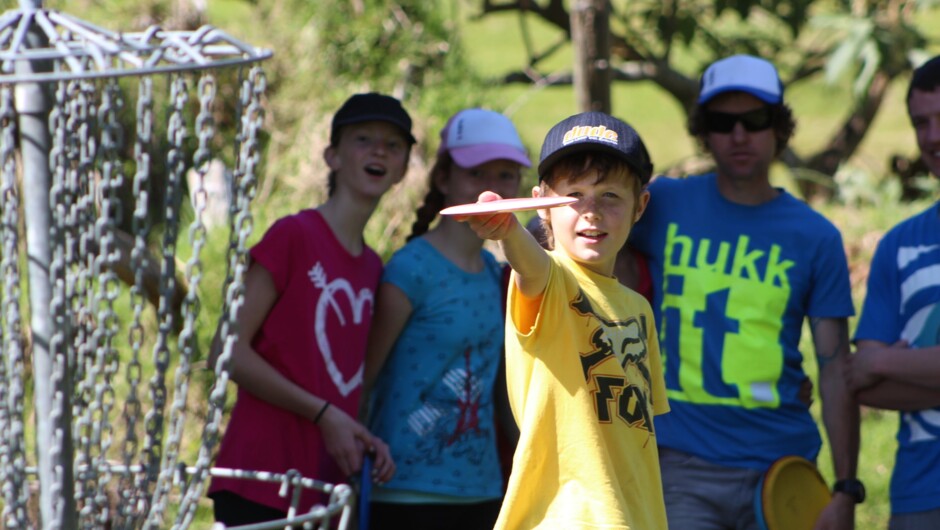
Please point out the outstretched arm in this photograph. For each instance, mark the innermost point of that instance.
(523, 252)
(840, 415)
(344, 437)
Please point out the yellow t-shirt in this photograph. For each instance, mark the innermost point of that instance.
(585, 380)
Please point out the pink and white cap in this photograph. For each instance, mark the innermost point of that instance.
(477, 136)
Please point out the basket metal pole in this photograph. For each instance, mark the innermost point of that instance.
(57, 508)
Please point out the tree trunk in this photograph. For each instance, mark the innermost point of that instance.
(590, 37)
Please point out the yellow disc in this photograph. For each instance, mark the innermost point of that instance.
(793, 494)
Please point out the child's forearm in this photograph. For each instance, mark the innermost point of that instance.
(528, 259)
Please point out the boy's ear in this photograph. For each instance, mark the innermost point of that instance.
(331, 157)
(642, 201)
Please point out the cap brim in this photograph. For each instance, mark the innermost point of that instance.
(763, 95)
(546, 164)
(377, 117)
(475, 155)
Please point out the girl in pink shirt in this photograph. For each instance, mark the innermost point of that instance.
(309, 296)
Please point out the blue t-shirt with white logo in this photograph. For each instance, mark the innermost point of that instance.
(433, 400)
(903, 302)
(732, 285)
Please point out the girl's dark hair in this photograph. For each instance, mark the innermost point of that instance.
(331, 177)
(783, 125)
(330, 183)
(434, 199)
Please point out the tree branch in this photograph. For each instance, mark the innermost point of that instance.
(847, 139)
(811, 64)
(124, 268)
(554, 13)
(681, 87)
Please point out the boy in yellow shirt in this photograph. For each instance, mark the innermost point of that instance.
(582, 358)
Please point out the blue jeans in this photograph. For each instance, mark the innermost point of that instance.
(700, 495)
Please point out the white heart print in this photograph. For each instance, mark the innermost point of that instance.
(327, 300)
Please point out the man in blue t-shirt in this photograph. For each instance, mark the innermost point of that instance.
(897, 363)
(738, 265)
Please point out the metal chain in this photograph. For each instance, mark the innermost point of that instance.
(81, 268)
(133, 490)
(241, 221)
(176, 167)
(87, 174)
(205, 131)
(106, 359)
(243, 189)
(252, 119)
(241, 224)
(12, 455)
(60, 198)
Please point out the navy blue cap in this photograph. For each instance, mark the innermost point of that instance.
(371, 106)
(595, 131)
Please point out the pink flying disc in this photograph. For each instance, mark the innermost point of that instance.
(508, 205)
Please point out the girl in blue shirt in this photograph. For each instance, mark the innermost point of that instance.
(436, 345)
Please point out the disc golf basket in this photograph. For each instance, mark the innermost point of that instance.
(110, 316)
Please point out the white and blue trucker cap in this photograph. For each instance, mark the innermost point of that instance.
(742, 73)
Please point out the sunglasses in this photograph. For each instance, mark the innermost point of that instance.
(752, 120)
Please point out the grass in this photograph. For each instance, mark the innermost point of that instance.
(861, 229)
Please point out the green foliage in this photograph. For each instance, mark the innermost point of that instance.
(793, 13)
(653, 29)
(863, 39)
(386, 42)
(857, 187)
(408, 48)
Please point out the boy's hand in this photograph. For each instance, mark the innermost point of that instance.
(524, 254)
(494, 226)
